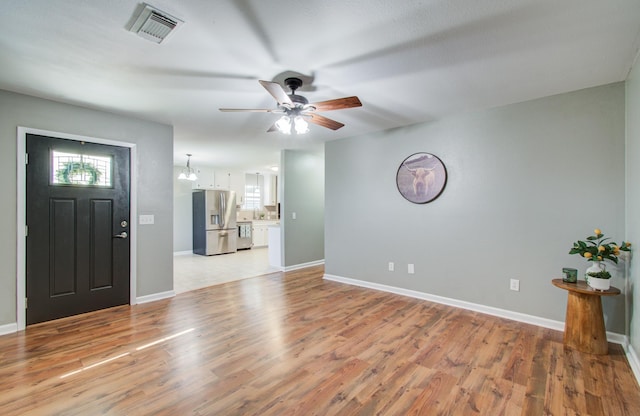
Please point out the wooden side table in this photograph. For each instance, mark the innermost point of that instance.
(584, 324)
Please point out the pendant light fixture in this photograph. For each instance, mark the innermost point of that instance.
(188, 173)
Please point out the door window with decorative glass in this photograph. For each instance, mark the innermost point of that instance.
(80, 169)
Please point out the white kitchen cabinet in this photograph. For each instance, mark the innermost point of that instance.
(260, 235)
(223, 180)
(206, 178)
(237, 184)
(270, 190)
(261, 232)
(231, 181)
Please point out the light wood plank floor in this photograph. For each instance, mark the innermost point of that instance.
(294, 344)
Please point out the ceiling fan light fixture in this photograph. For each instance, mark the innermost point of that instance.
(301, 125)
(284, 124)
(296, 107)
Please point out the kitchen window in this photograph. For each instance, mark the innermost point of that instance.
(253, 192)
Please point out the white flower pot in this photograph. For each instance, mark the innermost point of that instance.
(599, 284)
(596, 266)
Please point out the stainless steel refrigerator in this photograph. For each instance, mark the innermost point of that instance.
(214, 222)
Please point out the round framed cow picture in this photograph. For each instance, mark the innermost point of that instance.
(421, 178)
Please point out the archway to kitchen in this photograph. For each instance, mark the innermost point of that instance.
(255, 210)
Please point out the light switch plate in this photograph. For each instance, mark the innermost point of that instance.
(146, 219)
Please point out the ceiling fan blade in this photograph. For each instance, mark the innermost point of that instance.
(276, 91)
(272, 128)
(337, 104)
(250, 110)
(325, 122)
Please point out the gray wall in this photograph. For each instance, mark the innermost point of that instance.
(524, 182)
(182, 213)
(155, 147)
(302, 184)
(633, 202)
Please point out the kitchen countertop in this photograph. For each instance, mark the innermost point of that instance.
(262, 221)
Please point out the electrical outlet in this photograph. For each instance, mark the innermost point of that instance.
(515, 285)
(391, 266)
(410, 268)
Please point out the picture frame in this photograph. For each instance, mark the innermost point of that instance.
(421, 178)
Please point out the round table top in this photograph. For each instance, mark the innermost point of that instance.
(582, 287)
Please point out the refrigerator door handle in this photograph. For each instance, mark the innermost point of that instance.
(223, 208)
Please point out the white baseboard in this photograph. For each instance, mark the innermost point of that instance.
(155, 296)
(489, 310)
(618, 339)
(303, 265)
(8, 328)
(634, 362)
(182, 253)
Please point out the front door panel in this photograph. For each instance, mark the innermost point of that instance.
(78, 251)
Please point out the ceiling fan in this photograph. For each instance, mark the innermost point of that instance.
(296, 110)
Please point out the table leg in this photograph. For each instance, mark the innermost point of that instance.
(584, 327)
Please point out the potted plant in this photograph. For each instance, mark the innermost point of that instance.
(597, 249)
(600, 280)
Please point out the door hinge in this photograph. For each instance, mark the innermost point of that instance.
(26, 230)
(25, 302)
(26, 158)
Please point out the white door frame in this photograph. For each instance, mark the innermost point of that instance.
(21, 278)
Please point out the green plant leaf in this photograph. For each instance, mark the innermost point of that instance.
(603, 274)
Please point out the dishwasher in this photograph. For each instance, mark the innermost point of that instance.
(245, 239)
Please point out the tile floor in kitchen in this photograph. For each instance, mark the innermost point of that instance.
(192, 271)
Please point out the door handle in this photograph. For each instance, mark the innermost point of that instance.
(223, 208)
(121, 235)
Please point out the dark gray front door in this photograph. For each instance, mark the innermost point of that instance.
(77, 249)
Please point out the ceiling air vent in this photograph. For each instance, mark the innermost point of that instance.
(153, 24)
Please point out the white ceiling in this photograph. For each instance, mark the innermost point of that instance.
(408, 61)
